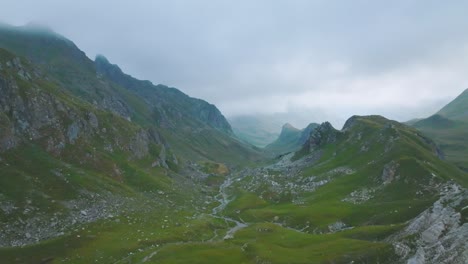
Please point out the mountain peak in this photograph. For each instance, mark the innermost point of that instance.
(288, 126)
(325, 133)
(38, 27)
(101, 58)
(288, 130)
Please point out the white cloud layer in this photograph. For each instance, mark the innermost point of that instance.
(331, 59)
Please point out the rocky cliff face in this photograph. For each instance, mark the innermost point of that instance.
(305, 133)
(36, 110)
(438, 234)
(323, 134)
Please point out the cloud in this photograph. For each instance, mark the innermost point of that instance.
(332, 58)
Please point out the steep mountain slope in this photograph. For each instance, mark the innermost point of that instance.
(170, 104)
(449, 128)
(65, 162)
(457, 109)
(290, 139)
(194, 128)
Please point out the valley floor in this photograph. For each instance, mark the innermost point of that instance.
(272, 214)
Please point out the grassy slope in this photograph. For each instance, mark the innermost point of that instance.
(450, 135)
(452, 138)
(391, 206)
(457, 109)
(449, 128)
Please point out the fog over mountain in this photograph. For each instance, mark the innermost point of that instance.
(332, 59)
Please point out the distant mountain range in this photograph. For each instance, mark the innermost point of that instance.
(263, 129)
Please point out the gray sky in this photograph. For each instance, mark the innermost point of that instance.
(327, 59)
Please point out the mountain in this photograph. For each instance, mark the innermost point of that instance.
(263, 129)
(194, 128)
(449, 128)
(164, 99)
(290, 139)
(457, 109)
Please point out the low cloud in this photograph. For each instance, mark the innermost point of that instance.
(330, 59)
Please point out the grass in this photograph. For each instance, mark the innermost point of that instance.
(270, 243)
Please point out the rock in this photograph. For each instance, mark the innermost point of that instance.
(323, 134)
(440, 232)
(83, 212)
(337, 226)
(73, 132)
(93, 120)
(389, 172)
(139, 144)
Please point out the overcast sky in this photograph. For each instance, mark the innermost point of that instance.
(327, 59)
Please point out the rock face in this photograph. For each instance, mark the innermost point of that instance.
(389, 172)
(305, 134)
(323, 134)
(30, 113)
(440, 232)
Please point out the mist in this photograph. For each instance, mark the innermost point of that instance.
(324, 59)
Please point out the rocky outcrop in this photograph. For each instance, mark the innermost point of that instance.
(305, 133)
(30, 112)
(438, 234)
(389, 172)
(322, 135)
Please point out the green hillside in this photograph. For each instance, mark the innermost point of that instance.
(449, 128)
(349, 197)
(457, 109)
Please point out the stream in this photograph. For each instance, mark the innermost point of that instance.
(223, 199)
